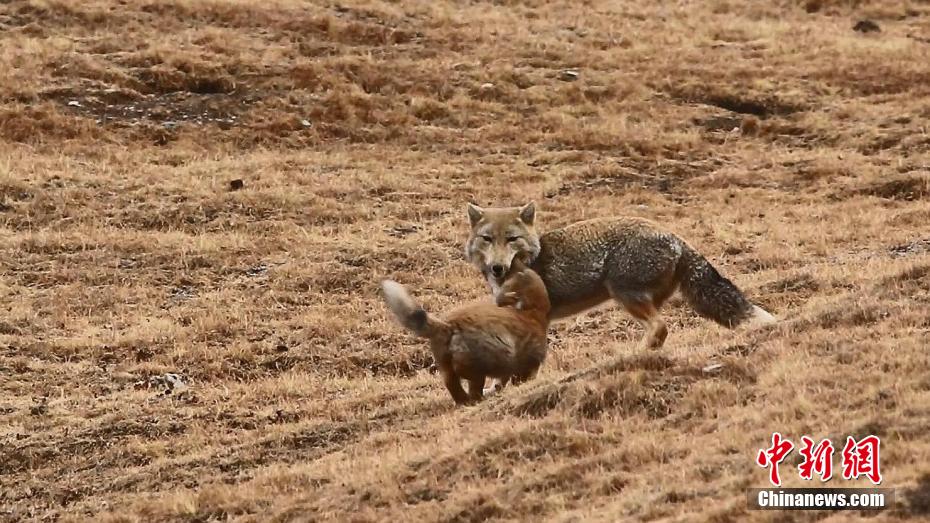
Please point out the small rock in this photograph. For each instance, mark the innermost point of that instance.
(168, 383)
(257, 270)
(568, 75)
(910, 249)
(74, 103)
(175, 383)
(182, 293)
(866, 26)
(305, 123)
(400, 231)
(40, 408)
(486, 87)
(235, 185)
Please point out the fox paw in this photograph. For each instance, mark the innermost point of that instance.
(507, 299)
(493, 389)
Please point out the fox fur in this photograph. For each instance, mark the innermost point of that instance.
(629, 260)
(505, 339)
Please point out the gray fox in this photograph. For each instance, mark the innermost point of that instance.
(630, 260)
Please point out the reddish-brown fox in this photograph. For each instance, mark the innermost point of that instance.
(505, 340)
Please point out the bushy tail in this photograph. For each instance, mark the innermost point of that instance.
(411, 315)
(713, 296)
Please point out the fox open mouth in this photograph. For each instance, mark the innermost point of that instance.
(499, 280)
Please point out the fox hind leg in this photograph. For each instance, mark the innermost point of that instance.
(454, 385)
(523, 378)
(476, 389)
(643, 287)
(643, 308)
(656, 329)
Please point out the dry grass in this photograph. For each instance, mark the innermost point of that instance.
(360, 129)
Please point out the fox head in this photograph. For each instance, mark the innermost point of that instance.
(498, 236)
(524, 289)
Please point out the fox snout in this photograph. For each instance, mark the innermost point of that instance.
(497, 261)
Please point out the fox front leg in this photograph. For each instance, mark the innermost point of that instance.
(507, 299)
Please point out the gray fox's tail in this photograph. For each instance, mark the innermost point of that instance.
(411, 315)
(714, 296)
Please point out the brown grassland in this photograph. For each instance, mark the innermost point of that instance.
(789, 148)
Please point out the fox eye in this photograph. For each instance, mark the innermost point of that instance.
(486, 238)
(511, 239)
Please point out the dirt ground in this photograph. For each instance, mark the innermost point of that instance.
(179, 346)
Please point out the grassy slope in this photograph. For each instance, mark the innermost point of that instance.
(124, 255)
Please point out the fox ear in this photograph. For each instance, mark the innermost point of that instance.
(528, 213)
(475, 214)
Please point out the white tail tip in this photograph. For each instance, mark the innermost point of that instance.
(392, 288)
(761, 316)
(397, 298)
